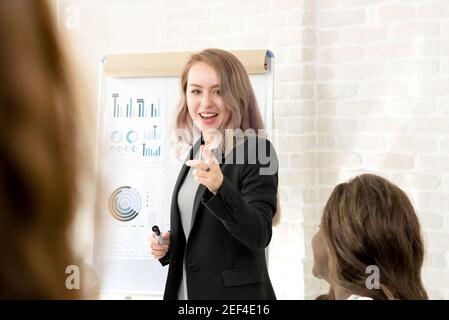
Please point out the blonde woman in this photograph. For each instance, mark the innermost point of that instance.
(225, 198)
(369, 245)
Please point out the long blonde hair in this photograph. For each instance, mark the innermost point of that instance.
(235, 90)
(237, 94)
(369, 221)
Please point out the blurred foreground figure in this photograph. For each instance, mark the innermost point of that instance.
(38, 162)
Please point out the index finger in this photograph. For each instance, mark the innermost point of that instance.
(197, 164)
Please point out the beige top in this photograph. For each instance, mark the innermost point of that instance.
(186, 197)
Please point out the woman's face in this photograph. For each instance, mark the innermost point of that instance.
(320, 256)
(204, 100)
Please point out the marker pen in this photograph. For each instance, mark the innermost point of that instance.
(158, 234)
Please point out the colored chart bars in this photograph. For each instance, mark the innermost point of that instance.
(151, 151)
(122, 109)
(152, 134)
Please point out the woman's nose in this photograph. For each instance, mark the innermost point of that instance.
(206, 100)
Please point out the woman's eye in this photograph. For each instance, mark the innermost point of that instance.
(217, 92)
(195, 91)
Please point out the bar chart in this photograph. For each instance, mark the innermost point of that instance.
(136, 124)
(142, 108)
(152, 134)
(150, 151)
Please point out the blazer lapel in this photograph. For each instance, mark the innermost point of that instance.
(201, 188)
(196, 203)
(181, 176)
(199, 195)
(185, 168)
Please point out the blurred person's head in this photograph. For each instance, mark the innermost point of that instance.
(369, 221)
(38, 165)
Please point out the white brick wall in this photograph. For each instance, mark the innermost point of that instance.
(360, 85)
(400, 103)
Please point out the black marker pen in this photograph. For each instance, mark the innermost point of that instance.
(202, 143)
(158, 234)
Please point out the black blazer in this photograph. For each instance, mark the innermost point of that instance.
(225, 252)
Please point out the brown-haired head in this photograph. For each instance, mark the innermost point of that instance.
(38, 166)
(369, 221)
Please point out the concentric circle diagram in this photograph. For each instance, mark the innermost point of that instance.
(125, 203)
